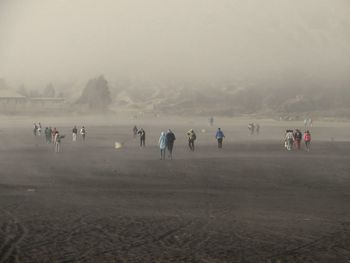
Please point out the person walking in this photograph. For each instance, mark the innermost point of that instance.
(83, 133)
(162, 145)
(307, 140)
(134, 130)
(297, 138)
(53, 134)
(170, 139)
(219, 137)
(305, 123)
(47, 135)
(257, 128)
(288, 140)
(251, 128)
(74, 134)
(211, 121)
(35, 129)
(39, 129)
(57, 142)
(191, 138)
(142, 134)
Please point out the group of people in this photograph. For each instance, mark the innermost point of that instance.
(254, 127)
(75, 133)
(308, 123)
(37, 129)
(52, 135)
(166, 141)
(293, 138)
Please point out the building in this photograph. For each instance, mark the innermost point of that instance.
(11, 100)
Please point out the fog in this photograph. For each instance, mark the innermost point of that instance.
(172, 41)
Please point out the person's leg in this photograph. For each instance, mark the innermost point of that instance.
(171, 150)
(192, 145)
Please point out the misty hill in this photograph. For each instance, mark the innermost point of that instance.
(232, 100)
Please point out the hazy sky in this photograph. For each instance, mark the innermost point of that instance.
(171, 40)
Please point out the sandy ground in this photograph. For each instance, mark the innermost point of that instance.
(252, 201)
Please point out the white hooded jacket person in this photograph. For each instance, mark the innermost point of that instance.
(162, 145)
(288, 140)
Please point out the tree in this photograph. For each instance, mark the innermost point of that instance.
(96, 94)
(49, 91)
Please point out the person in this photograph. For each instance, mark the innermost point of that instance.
(219, 137)
(289, 139)
(47, 135)
(39, 129)
(74, 134)
(57, 142)
(53, 134)
(170, 138)
(251, 128)
(305, 123)
(142, 134)
(191, 138)
(35, 129)
(297, 138)
(83, 133)
(211, 121)
(307, 140)
(310, 123)
(134, 130)
(162, 145)
(257, 128)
